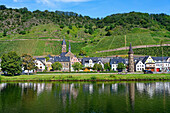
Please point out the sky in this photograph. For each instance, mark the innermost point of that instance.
(93, 8)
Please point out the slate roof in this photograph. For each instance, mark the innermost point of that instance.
(63, 54)
(159, 58)
(41, 60)
(61, 59)
(144, 59)
(94, 59)
(117, 60)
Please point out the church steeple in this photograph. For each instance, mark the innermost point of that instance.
(69, 47)
(64, 46)
(131, 59)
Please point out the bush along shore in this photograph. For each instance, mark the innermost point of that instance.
(86, 77)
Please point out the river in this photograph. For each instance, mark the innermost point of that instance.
(85, 97)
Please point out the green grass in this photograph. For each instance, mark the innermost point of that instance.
(86, 77)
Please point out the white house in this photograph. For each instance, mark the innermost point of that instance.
(114, 63)
(40, 63)
(149, 63)
(89, 62)
(139, 66)
(161, 64)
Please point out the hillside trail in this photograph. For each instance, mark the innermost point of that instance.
(134, 47)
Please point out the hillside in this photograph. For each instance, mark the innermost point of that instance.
(44, 31)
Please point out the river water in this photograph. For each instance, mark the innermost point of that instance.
(85, 97)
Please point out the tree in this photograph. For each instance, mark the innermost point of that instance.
(121, 66)
(11, 63)
(82, 52)
(77, 66)
(56, 66)
(97, 67)
(2, 7)
(107, 66)
(28, 62)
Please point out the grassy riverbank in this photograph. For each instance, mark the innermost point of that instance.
(86, 77)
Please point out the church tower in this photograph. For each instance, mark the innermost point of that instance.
(64, 50)
(130, 59)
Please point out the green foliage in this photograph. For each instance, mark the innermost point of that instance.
(121, 66)
(56, 66)
(11, 63)
(82, 52)
(77, 66)
(107, 66)
(97, 67)
(47, 58)
(28, 62)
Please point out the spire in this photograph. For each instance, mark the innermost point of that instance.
(69, 47)
(64, 42)
(130, 49)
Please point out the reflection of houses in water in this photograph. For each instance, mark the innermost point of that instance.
(152, 88)
(2, 86)
(39, 87)
(114, 87)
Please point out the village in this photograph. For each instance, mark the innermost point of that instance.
(130, 64)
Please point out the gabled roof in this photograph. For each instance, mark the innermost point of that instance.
(42, 60)
(117, 60)
(138, 62)
(144, 59)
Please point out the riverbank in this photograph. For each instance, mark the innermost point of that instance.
(86, 77)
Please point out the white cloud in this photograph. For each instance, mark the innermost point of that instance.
(50, 2)
(72, 0)
(15, 0)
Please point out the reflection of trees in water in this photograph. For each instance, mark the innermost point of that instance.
(65, 96)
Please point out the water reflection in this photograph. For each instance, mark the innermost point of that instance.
(68, 95)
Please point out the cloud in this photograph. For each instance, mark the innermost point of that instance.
(15, 0)
(72, 0)
(50, 2)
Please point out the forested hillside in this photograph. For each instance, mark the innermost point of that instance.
(94, 34)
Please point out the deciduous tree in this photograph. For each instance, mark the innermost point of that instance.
(11, 63)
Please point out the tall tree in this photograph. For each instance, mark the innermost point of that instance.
(121, 66)
(97, 67)
(57, 66)
(28, 62)
(107, 66)
(11, 63)
(77, 66)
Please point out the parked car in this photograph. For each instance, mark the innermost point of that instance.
(148, 72)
